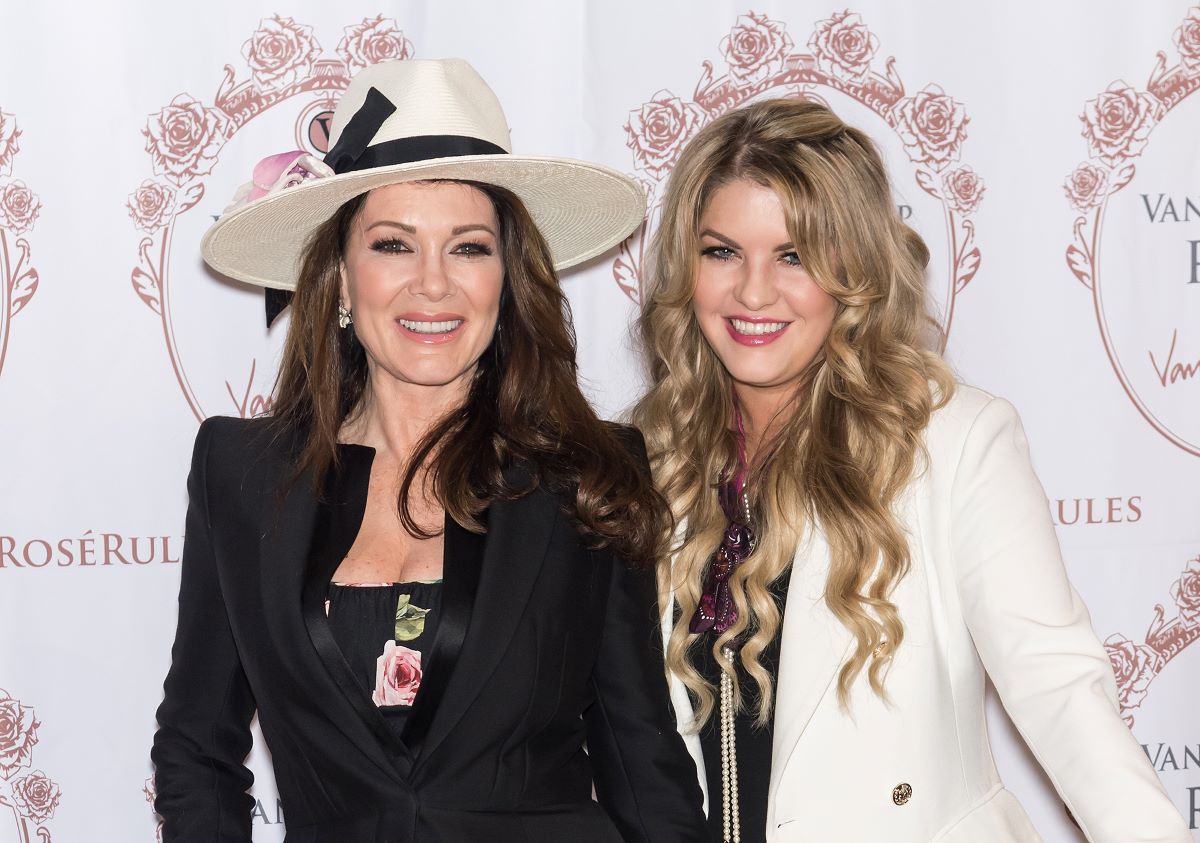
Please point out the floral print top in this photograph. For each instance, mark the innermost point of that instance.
(383, 629)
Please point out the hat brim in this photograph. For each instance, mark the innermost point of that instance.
(582, 210)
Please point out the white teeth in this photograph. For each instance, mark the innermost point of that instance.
(430, 327)
(757, 329)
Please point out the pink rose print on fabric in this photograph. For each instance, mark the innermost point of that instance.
(964, 189)
(19, 207)
(755, 48)
(185, 138)
(658, 131)
(1117, 123)
(280, 53)
(151, 206)
(9, 133)
(1187, 39)
(18, 734)
(1086, 186)
(35, 796)
(1186, 592)
(843, 46)
(397, 675)
(932, 127)
(373, 41)
(1134, 666)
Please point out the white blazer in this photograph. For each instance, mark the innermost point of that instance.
(987, 591)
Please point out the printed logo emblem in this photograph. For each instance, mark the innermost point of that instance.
(32, 795)
(19, 209)
(284, 63)
(1145, 284)
(928, 127)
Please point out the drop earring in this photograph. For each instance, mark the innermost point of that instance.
(344, 317)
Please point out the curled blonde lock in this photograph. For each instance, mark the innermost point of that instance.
(852, 436)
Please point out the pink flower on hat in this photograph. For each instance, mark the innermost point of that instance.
(279, 172)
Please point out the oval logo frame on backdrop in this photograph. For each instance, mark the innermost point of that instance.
(185, 138)
(1135, 665)
(34, 796)
(19, 209)
(759, 59)
(1117, 125)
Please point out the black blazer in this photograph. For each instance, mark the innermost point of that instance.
(542, 646)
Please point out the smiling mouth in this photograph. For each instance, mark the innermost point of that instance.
(756, 329)
(444, 326)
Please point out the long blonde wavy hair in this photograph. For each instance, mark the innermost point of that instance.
(850, 439)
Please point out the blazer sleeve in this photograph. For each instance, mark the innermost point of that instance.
(1035, 639)
(204, 720)
(644, 777)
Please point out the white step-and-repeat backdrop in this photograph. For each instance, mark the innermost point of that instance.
(1046, 151)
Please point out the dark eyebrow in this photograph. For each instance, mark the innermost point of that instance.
(477, 226)
(786, 247)
(727, 241)
(458, 229)
(394, 224)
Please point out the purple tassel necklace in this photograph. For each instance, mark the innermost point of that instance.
(715, 610)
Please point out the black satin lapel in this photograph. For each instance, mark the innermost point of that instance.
(337, 520)
(462, 561)
(515, 548)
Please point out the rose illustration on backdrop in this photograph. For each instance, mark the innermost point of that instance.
(185, 138)
(658, 131)
(372, 41)
(1117, 123)
(280, 53)
(932, 127)
(755, 48)
(397, 675)
(1186, 592)
(843, 46)
(1134, 666)
(18, 734)
(1086, 186)
(9, 133)
(1187, 39)
(19, 207)
(35, 796)
(963, 189)
(151, 206)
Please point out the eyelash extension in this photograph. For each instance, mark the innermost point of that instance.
(389, 244)
(482, 249)
(711, 251)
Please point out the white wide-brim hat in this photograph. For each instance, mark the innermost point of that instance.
(412, 120)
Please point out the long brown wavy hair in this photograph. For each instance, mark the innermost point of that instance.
(523, 407)
(849, 440)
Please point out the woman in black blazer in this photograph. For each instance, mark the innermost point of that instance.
(429, 456)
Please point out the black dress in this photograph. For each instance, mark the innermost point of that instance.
(753, 742)
(384, 631)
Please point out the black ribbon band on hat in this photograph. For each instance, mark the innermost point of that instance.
(276, 302)
(354, 151)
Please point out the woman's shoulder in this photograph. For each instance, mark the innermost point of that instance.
(964, 409)
(224, 441)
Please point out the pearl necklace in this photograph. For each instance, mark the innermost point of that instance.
(729, 770)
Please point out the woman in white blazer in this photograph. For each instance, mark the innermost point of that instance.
(860, 539)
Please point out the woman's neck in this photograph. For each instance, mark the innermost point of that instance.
(395, 414)
(763, 411)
